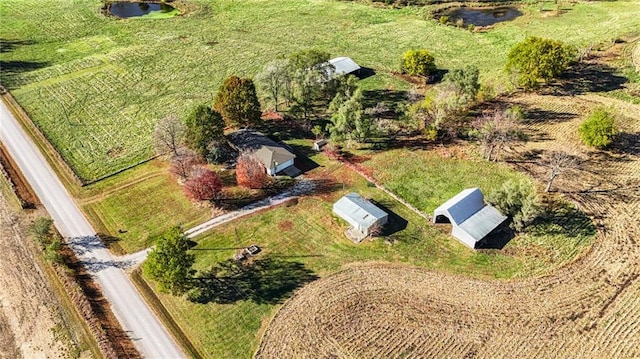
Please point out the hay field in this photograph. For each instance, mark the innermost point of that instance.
(587, 309)
(96, 86)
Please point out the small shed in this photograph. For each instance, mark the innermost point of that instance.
(362, 215)
(470, 217)
(343, 66)
(317, 145)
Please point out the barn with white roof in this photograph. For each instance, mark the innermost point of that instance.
(470, 217)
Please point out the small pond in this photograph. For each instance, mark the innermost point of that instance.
(484, 17)
(127, 9)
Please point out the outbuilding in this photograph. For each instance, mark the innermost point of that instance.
(363, 216)
(470, 217)
(343, 66)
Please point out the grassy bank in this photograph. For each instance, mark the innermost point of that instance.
(96, 85)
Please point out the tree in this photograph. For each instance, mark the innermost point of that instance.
(466, 83)
(536, 59)
(202, 185)
(495, 130)
(169, 135)
(418, 62)
(238, 103)
(309, 59)
(518, 200)
(183, 163)
(349, 122)
(170, 263)
(275, 79)
(219, 151)
(250, 173)
(311, 73)
(557, 163)
(599, 129)
(41, 229)
(203, 126)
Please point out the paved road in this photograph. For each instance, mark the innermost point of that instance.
(148, 334)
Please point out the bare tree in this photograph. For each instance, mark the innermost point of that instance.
(183, 163)
(275, 79)
(168, 135)
(557, 163)
(495, 130)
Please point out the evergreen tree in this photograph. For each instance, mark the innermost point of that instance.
(238, 103)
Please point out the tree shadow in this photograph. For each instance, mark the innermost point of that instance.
(627, 143)
(587, 76)
(264, 281)
(10, 69)
(10, 45)
(539, 115)
(390, 98)
(561, 218)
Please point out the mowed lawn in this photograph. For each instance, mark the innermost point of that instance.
(309, 234)
(133, 208)
(96, 85)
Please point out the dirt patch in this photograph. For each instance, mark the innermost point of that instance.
(285, 226)
(20, 186)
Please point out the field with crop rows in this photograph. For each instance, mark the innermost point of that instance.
(96, 86)
(587, 309)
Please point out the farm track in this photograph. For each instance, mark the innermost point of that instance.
(589, 308)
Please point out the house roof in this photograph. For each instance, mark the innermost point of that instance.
(267, 151)
(355, 209)
(343, 66)
(469, 214)
(272, 156)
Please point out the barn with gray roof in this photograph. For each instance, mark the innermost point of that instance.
(362, 215)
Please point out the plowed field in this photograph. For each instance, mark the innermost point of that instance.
(587, 309)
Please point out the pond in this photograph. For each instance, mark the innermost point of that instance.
(484, 17)
(127, 9)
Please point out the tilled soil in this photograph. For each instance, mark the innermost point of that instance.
(587, 309)
(31, 323)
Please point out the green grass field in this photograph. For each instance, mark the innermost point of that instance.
(309, 234)
(96, 85)
(138, 206)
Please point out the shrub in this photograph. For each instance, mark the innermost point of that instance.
(418, 62)
(250, 173)
(444, 19)
(519, 201)
(599, 129)
(203, 185)
(537, 59)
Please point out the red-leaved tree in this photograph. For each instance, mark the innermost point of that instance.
(250, 173)
(203, 185)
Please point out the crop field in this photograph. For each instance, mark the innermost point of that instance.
(96, 85)
(589, 308)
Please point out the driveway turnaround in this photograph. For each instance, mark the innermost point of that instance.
(145, 330)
